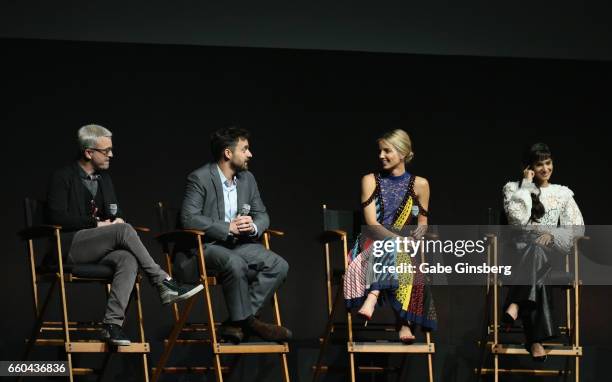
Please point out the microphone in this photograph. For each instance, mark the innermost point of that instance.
(112, 209)
(245, 210)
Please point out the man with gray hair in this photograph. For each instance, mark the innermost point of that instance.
(81, 198)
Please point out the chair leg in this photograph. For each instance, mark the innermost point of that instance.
(141, 333)
(283, 356)
(213, 330)
(39, 322)
(176, 330)
(429, 359)
(40, 314)
(70, 374)
(496, 366)
(577, 373)
(352, 361)
(284, 367)
(326, 336)
(65, 322)
(218, 370)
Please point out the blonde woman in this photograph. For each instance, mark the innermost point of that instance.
(392, 200)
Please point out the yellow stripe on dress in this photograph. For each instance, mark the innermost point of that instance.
(404, 290)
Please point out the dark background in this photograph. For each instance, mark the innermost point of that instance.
(543, 29)
(314, 116)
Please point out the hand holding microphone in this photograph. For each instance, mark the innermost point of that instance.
(112, 209)
(244, 222)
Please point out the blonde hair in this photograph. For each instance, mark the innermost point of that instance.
(401, 141)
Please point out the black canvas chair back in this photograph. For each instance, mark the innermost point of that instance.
(167, 217)
(34, 212)
(343, 220)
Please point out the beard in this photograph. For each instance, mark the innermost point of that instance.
(239, 167)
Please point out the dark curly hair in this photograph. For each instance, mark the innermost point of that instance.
(536, 153)
(224, 138)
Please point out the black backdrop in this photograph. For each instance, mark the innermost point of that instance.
(314, 117)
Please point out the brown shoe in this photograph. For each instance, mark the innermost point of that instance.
(268, 332)
(231, 332)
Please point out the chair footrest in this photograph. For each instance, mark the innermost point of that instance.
(189, 341)
(251, 348)
(361, 369)
(554, 350)
(535, 372)
(84, 371)
(390, 347)
(103, 347)
(190, 369)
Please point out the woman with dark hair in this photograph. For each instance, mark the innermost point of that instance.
(392, 200)
(550, 220)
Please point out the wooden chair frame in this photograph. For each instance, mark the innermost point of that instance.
(427, 348)
(61, 277)
(571, 329)
(180, 316)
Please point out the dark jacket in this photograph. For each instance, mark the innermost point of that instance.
(67, 202)
(203, 206)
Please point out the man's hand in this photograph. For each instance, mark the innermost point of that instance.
(544, 240)
(102, 223)
(118, 220)
(244, 224)
(233, 228)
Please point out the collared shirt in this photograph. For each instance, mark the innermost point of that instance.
(230, 198)
(90, 181)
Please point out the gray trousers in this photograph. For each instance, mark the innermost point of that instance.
(244, 298)
(118, 246)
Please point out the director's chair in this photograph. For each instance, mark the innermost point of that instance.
(62, 274)
(569, 280)
(341, 226)
(168, 241)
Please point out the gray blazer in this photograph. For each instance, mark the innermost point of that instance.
(203, 206)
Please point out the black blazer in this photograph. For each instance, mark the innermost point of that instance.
(66, 202)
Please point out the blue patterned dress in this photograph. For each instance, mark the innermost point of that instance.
(407, 293)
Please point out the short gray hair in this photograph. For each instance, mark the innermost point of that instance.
(89, 134)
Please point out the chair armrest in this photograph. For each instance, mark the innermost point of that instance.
(333, 235)
(177, 235)
(38, 231)
(142, 229)
(274, 232)
(578, 238)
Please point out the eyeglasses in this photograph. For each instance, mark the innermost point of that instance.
(105, 151)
